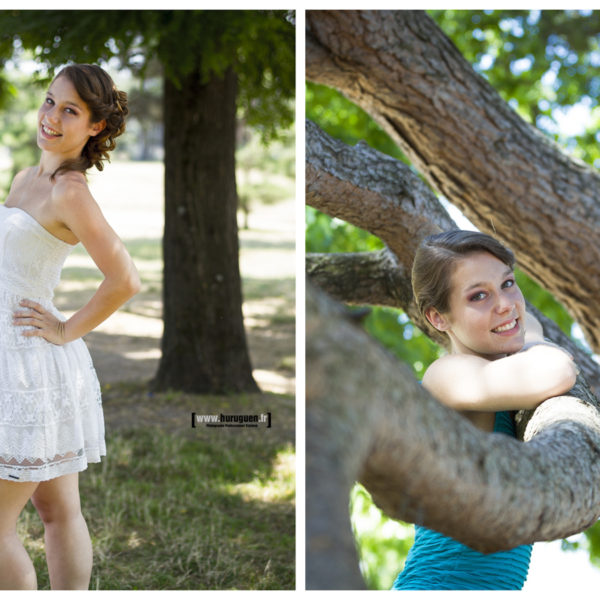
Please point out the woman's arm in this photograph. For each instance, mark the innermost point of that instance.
(520, 381)
(533, 329)
(80, 213)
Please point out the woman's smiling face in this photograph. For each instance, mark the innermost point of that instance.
(64, 120)
(487, 309)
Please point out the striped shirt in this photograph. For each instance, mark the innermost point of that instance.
(438, 562)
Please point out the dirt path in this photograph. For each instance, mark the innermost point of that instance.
(126, 348)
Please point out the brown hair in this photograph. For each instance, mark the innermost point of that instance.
(436, 258)
(105, 102)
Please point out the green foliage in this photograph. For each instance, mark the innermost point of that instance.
(383, 543)
(278, 158)
(593, 539)
(258, 45)
(18, 125)
(541, 62)
(264, 171)
(324, 234)
(342, 119)
(145, 100)
(392, 328)
(545, 302)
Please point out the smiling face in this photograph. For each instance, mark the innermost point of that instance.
(487, 309)
(64, 123)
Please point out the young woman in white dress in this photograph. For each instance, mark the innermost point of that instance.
(51, 422)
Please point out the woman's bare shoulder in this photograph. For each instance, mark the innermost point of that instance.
(23, 173)
(71, 192)
(21, 177)
(69, 183)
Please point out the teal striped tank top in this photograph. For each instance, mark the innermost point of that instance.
(438, 562)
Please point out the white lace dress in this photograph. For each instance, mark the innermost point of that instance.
(51, 420)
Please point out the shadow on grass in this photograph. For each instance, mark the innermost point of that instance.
(256, 288)
(131, 358)
(129, 405)
(134, 356)
(181, 517)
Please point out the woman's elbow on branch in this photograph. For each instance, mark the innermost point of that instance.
(570, 375)
(561, 371)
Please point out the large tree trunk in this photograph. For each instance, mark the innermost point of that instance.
(506, 177)
(204, 345)
(367, 419)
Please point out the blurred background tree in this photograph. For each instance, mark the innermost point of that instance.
(546, 65)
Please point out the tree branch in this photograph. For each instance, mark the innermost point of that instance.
(368, 419)
(372, 191)
(375, 278)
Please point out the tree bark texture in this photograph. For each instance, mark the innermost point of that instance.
(346, 182)
(375, 278)
(372, 191)
(204, 346)
(504, 175)
(367, 419)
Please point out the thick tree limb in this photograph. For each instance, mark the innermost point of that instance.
(375, 278)
(368, 419)
(502, 173)
(372, 191)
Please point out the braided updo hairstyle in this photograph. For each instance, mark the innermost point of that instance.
(105, 102)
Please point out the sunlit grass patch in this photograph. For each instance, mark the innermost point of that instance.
(169, 512)
(279, 487)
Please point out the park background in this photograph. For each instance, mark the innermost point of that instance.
(546, 65)
(171, 507)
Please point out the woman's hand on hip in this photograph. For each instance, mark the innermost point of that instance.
(45, 324)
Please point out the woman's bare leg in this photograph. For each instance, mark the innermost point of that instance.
(16, 568)
(68, 544)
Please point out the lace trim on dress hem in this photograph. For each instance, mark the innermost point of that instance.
(69, 462)
(32, 463)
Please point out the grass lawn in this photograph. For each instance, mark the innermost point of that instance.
(182, 508)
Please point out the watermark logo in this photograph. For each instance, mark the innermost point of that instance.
(222, 420)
